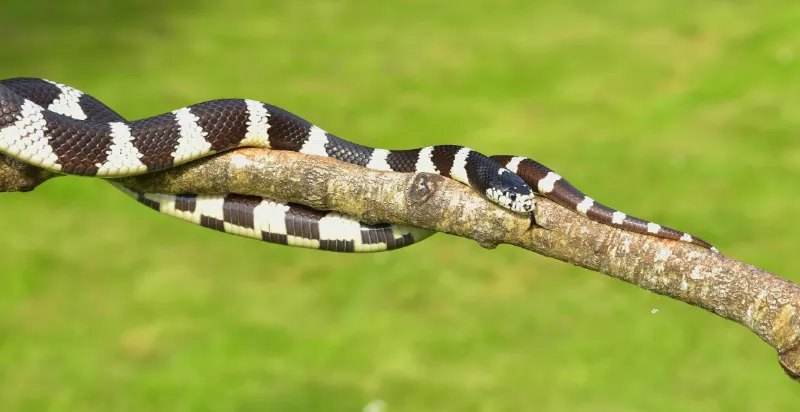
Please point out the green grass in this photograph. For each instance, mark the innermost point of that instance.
(682, 112)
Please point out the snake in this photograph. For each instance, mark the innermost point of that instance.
(64, 130)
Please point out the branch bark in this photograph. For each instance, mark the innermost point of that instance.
(16, 176)
(763, 302)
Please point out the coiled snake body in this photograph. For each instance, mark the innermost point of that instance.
(64, 130)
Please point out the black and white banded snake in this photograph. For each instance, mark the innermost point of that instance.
(64, 130)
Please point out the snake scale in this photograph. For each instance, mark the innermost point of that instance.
(64, 130)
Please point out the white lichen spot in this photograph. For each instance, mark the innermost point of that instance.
(662, 255)
(697, 273)
(238, 160)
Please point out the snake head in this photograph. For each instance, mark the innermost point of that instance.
(512, 192)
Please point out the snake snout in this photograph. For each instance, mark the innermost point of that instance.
(520, 203)
(514, 193)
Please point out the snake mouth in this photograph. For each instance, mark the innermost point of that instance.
(523, 204)
(513, 201)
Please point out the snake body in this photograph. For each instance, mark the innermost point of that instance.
(62, 129)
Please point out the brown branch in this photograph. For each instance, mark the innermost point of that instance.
(765, 303)
(16, 176)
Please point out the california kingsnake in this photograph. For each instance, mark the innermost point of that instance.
(61, 129)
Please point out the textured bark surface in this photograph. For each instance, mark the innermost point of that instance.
(763, 302)
(16, 176)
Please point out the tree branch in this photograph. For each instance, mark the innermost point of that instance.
(16, 176)
(765, 303)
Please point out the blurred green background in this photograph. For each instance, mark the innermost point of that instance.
(682, 112)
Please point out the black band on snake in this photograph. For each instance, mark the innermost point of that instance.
(64, 130)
